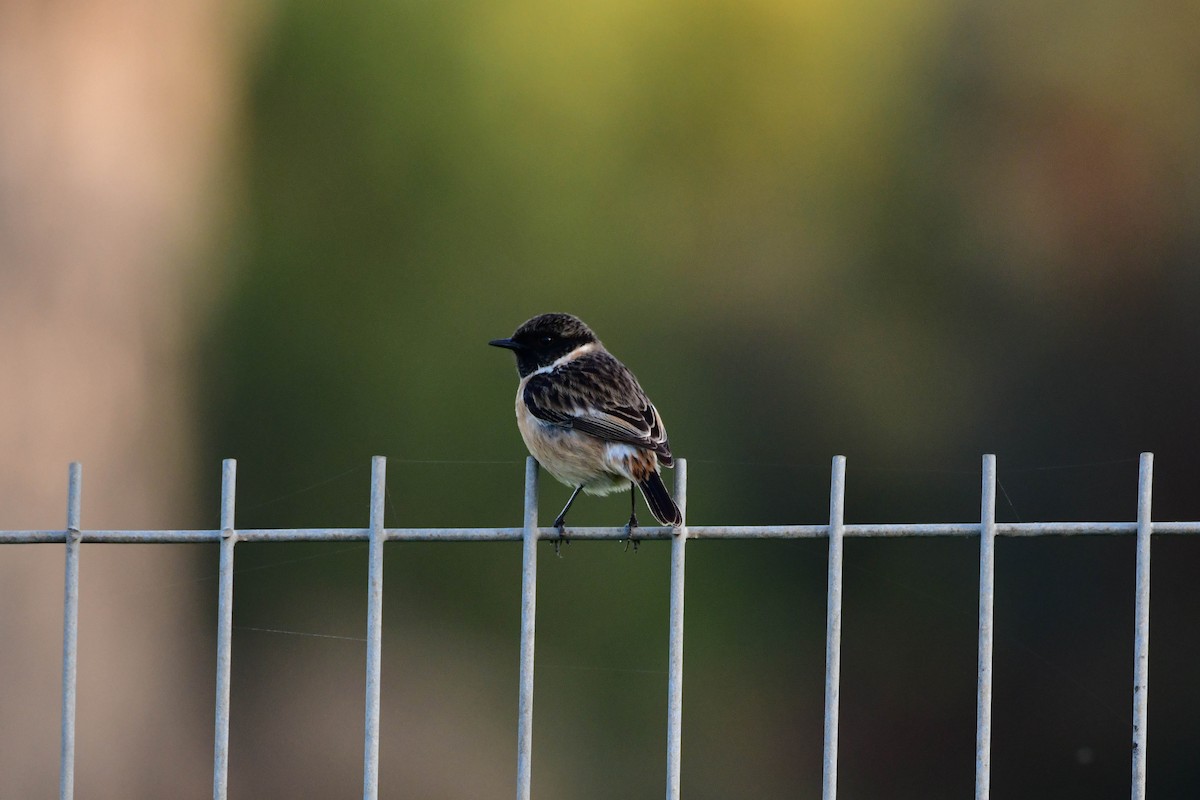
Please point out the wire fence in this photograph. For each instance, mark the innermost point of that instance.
(376, 535)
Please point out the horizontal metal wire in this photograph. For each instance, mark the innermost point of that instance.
(868, 530)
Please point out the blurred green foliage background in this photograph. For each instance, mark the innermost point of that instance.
(910, 233)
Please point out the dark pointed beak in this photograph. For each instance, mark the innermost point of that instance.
(507, 344)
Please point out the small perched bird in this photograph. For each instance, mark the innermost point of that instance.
(585, 418)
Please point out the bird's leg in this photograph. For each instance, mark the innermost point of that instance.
(562, 515)
(561, 518)
(633, 523)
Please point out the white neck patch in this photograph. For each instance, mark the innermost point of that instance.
(583, 349)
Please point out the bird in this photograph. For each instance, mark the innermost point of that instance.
(585, 418)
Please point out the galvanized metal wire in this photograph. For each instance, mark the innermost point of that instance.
(224, 630)
(374, 629)
(377, 535)
(528, 615)
(679, 539)
(1141, 630)
(987, 596)
(833, 627)
(73, 538)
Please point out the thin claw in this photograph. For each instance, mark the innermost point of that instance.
(562, 537)
(630, 527)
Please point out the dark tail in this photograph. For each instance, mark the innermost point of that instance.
(659, 499)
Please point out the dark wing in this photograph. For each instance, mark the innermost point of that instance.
(597, 395)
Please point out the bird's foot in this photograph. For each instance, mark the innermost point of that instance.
(630, 527)
(562, 537)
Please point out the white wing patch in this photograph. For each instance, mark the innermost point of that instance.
(621, 457)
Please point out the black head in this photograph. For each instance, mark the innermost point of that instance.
(544, 339)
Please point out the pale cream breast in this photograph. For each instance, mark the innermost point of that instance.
(579, 459)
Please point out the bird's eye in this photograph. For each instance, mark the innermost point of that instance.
(547, 339)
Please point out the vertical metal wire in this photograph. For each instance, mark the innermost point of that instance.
(987, 593)
(374, 629)
(66, 767)
(1141, 634)
(528, 618)
(224, 630)
(675, 648)
(833, 625)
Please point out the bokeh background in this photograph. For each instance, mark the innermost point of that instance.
(910, 233)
